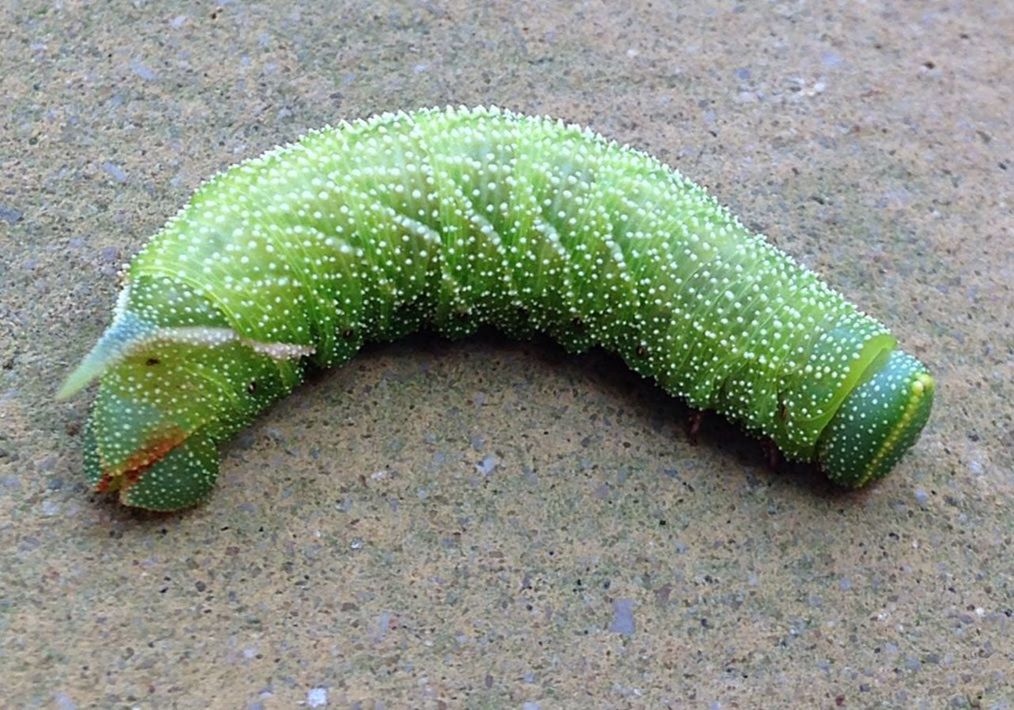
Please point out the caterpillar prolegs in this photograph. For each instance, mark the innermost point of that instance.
(451, 218)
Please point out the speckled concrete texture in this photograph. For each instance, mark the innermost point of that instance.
(493, 524)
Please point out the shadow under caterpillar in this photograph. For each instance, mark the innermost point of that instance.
(449, 219)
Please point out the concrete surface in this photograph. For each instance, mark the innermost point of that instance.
(487, 524)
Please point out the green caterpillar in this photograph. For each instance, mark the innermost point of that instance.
(451, 218)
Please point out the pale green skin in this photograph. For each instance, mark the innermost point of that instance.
(449, 219)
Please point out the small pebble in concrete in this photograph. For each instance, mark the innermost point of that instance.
(317, 697)
(142, 70)
(115, 172)
(477, 442)
(623, 617)
(10, 215)
(487, 465)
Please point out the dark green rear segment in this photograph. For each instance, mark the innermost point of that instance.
(879, 421)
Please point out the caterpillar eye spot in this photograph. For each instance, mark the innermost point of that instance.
(452, 219)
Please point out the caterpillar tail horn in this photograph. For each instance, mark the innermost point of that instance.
(123, 337)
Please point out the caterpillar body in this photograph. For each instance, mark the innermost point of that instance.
(452, 218)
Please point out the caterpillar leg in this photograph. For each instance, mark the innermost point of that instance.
(694, 425)
(772, 455)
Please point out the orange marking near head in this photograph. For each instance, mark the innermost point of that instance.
(131, 471)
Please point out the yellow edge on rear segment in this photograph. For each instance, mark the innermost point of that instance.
(922, 387)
